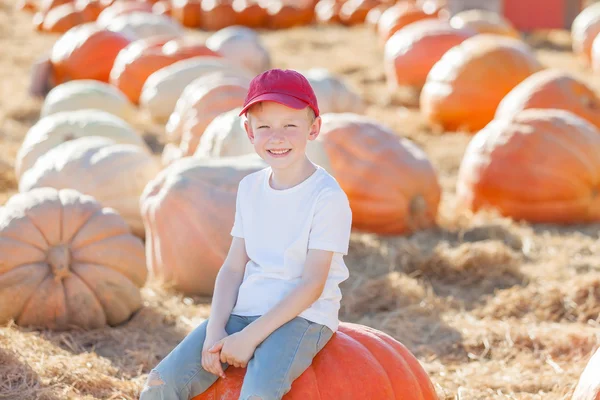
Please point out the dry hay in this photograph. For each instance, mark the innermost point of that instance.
(493, 309)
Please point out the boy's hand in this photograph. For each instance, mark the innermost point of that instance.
(236, 349)
(211, 360)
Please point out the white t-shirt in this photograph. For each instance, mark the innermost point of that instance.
(279, 226)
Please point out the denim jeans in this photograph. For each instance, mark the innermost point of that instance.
(279, 360)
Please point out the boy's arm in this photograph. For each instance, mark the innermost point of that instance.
(227, 284)
(299, 299)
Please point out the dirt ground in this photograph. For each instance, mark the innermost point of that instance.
(493, 309)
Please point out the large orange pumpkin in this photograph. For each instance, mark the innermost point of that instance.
(67, 262)
(122, 8)
(552, 88)
(584, 30)
(187, 12)
(64, 17)
(538, 166)
(85, 52)
(354, 12)
(249, 13)
(400, 15)
(588, 387)
(188, 212)
(483, 21)
(217, 14)
(284, 14)
(358, 363)
(143, 57)
(464, 88)
(412, 51)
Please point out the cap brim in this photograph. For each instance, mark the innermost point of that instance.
(280, 98)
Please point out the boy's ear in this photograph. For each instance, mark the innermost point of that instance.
(315, 129)
(249, 132)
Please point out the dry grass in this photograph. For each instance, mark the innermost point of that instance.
(494, 309)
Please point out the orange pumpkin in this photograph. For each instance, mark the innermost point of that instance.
(190, 205)
(588, 386)
(412, 51)
(584, 30)
(398, 16)
(375, 366)
(91, 9)
(47, 5)
(85, 52)
(483, 21)
(29, 6)
(62, 18)
(143, 57)
(327, 11)
(552, 88)
(67, 262)
(284, 14)
(372, 18)
(464, 88)
(187, 12)
(538, 166)
(394, 188)
(217, 14)
(122, 8)
(355, 12)
(249, 13)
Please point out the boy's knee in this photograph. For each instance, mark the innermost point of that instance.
(154, 379)
(155, 387)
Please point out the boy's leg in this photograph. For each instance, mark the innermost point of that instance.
(180, 376)
(281, 358)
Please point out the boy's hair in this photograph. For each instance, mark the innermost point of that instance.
(286, 87)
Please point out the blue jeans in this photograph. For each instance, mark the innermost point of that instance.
(279, 360)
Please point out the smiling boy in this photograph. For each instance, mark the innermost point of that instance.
(277, 295)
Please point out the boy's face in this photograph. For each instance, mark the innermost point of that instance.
(280, 133)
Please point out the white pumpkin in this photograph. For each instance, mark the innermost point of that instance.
(88, 94)
(143, 25)
(114, 174)
(243, 46)
(55, 129)
(333, 94)
(163, 88)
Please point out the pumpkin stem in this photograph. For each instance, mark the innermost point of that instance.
(59, 259)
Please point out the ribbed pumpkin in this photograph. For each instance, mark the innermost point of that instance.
(584, 30)
(141, 59)
(67, 262)
(52, 130)
(412, 51)
(483, 21)
(121, 8)
(187, 12)
(334, 95)
(188, 212)
(285, 14)
(464, 88)
(85, 52)
(539, 166)
(375, 366)
(241, 45)
(203, 100)
(88, 94)
(217, 14)
(588, 387)
(391, 184)
(249, 13)
(398, 16)
(114, 174)
(145, 24)
(163, 88)
(62, 18)
(552, 88)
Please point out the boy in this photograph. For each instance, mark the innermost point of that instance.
(277, 296)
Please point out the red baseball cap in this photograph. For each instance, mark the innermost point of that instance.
(286, 87)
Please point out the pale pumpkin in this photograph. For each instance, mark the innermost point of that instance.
(358, 363)
(85, 52)
(114, 174)
(588, 386)
(120, 8)
(145, 24)
(411, 52)
(88, 94)
(334, 95)
(541, 166)
(142, 58)
(162, 7)
(188, 212)
(163, 88)
(241, 45)
(552, 88)
(463, 89)
(584, 30)
(483, 21)
(391, 185)
(67, 262)
(52, 130)
(201, 101)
